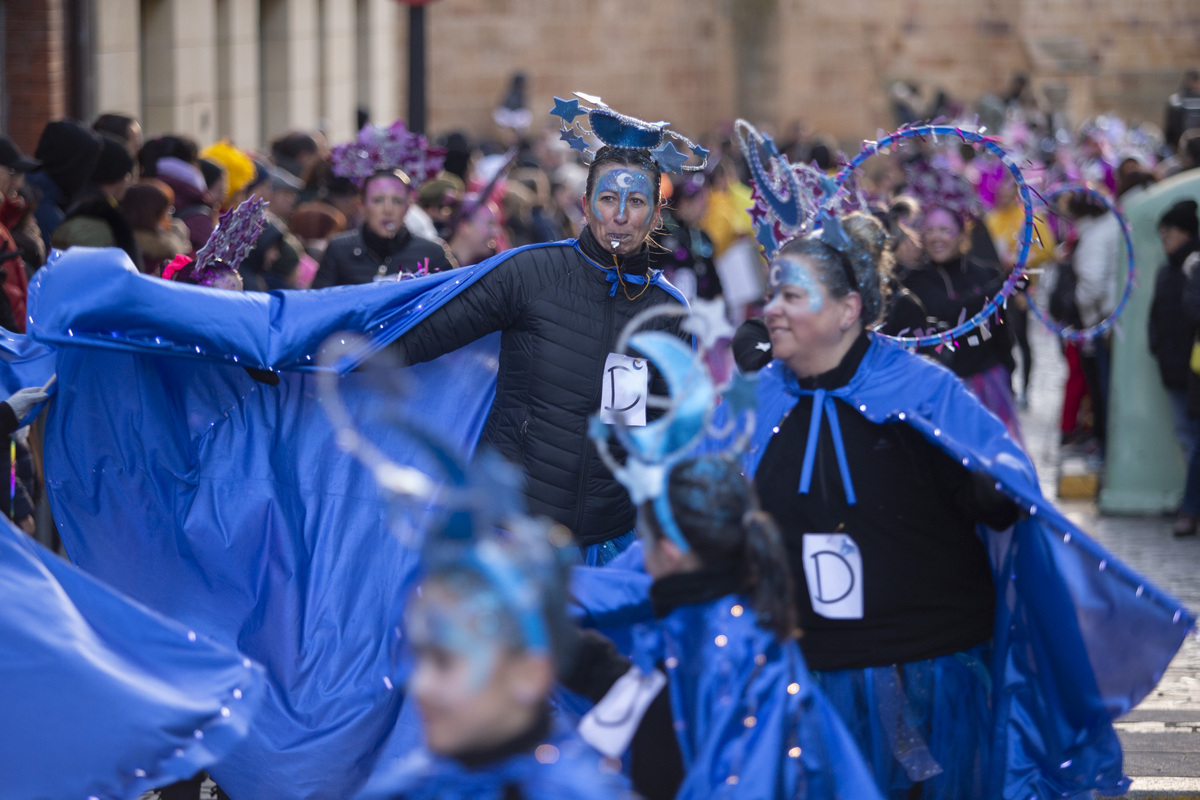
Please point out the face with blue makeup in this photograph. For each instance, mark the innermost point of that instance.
(475, 690)
(621, 211)
(810, 330)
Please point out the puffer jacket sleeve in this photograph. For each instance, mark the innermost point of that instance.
(493, 303)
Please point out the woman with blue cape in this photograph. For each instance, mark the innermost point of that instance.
(892, 486)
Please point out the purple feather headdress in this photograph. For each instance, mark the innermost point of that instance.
(234, 237)
(378, 148)
(934, 183)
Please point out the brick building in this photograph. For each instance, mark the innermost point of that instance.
(253, 68)
(244, 69)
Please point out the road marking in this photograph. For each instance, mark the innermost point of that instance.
(1157, 727)
(1172, 787)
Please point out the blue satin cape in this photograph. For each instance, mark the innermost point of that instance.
(750, 723)
(103, 698)
(1079, 639)
(226, 503)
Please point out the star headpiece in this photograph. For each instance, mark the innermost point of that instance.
(231, 241)
(792, 201)
(614, 129)
(379, 149)
(653, 449)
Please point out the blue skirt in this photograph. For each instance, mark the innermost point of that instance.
(599, 554)
(925, 722)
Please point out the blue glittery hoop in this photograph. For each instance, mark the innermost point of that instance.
(1100, 328)
(1023, 192)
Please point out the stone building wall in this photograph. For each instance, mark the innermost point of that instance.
(826, 62)
(251, 69)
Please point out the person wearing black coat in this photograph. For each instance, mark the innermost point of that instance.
(560, 309)
(382, 248)
(1174, 321)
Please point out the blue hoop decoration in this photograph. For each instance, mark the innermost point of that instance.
(1018, 272)
(1105, 325)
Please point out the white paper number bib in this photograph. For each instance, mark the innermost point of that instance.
(834, 571)
(626, 388)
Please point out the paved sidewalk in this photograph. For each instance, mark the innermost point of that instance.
(1161, 737)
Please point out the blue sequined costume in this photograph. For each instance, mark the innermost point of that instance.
(749, 722)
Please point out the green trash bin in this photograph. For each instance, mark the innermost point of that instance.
(1144, 469)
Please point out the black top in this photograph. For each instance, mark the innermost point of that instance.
(360, 256)
(684, 248)
(926, 581)
(954, 292)
(751, 346)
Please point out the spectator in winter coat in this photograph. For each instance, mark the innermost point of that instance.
(1171, 332)
(68, 152)
(95, 218)
(13, 167)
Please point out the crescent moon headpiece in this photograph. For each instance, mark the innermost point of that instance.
(653, 449)
(792, 201)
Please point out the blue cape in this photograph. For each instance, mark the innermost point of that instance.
(749, 721)
(1080, 638)
(101, 696)
(226, 503)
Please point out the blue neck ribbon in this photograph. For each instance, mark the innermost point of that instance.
(614, 279)
(823, 406)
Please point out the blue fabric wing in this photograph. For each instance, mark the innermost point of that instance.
(24, 363)
(102, 697)
(226, 503)
(1080, 638)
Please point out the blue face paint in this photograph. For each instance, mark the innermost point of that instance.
(623, 183)
(786, 271)
(462, 621)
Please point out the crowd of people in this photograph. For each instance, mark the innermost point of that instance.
(800, 582)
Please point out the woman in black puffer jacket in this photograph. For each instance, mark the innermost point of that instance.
(559, 309)
(382, 248)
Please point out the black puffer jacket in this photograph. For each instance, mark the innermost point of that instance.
(1171, 330)
(559, 323)
(358, 256)
(950, 293)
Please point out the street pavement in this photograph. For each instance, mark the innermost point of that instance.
(1161, 737)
